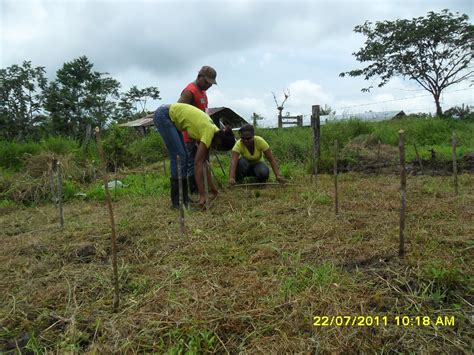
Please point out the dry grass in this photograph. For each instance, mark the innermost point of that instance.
(249, 276)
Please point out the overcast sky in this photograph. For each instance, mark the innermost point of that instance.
(257, 47)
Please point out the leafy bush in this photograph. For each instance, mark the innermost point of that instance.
(343, 132)
(116, 143)
(290, 144)
(59, 145)
(149, 149)
(12, 153)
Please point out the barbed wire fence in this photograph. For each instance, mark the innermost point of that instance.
(357, 109)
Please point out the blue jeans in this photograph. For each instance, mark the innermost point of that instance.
(173, 140)
(259, 170)
(191, 148)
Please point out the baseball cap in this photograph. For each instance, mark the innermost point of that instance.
(209, 74)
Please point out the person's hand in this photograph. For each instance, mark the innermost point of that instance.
(231, 181)
(281, 179)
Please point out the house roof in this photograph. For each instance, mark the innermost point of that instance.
(226, 117)
(141, 122)
(220, 115)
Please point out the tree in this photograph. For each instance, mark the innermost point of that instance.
(255, 118)
(280, 107)
(435, 51)
(21, 100)
(327, 110)
(133, 103)
(80, 98)
(462, 112)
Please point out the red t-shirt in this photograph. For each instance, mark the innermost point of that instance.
(200, 101)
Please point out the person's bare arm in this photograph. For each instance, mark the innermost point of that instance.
(271, 159)
(233, 167)
(186, 97)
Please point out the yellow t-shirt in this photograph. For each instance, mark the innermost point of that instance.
(260, 146)
(198, 123)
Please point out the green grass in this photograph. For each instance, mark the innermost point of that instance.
(249, 275)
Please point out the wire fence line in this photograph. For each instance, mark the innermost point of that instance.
(351, 110)
(400, 99)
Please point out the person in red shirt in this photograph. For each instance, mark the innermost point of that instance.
(195, 94)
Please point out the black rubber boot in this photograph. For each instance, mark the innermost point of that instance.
(174, 193)
(193, 189)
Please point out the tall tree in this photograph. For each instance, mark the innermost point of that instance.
(133, 103)
(80, 97)
(435, 51)
(21, 100)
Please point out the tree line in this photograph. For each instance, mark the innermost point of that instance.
(78, 99)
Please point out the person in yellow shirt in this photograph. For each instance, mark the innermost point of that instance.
(247, 155)
(169, 120)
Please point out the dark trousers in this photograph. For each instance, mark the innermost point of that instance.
(244, 169)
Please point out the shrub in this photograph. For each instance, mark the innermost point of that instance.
(12, 153)
(116, 143)
(150, 148)
(59, 145)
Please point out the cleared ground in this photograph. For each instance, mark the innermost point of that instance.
(251, 273)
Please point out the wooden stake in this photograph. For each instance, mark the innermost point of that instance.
(206, 185)
(336, 198)
(60, 194)
(181, 202)
(115, 179)
(51, 181)
(418, 157)
(378, 158)
(93, 171)
(316, 127)
(403, 185)
(455, 166)
(112, 223)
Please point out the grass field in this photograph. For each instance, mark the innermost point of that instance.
(250, 275)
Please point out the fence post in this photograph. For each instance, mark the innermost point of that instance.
(455, 166)
(403, 183)
(206, 184)
(378, 158)
(181, 202)
(316, 127)
(93, 171)
(60, 193)
(112, 222)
